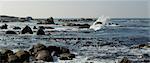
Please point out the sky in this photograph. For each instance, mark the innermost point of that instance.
(76, 8)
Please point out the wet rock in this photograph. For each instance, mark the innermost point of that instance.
(44, 55)
(125, 60)
(66, 56)
(40, 32)
(13, 59)
(10, 32)
(64, 50)
(23, 56)
(27, 29)
(54, 49)
(4, 26)
(34, 27)
(37, 48)
(50, 21)
(16, 28)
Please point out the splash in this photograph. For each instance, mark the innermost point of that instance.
(99, 23)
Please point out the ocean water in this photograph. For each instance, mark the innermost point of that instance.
(131, 31)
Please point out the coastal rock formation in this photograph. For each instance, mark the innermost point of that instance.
(10, 32)
(38, 52)
(27, 29)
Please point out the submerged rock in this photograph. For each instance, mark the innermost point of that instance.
(23, 56)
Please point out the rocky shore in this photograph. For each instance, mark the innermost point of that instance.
(38, 52)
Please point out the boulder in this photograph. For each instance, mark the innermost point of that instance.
(44, 55)
(10, 32)
(12, 59)
(125, 60)
(23, 55)
(4, 26)
(55, 50)
(34, 27)
(64, 50)
(40, 32)
(27, 29)
(37, 48)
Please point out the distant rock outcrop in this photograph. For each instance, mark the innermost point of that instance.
(10, 32)
(27, 29)
(50, 21)
(40, 32)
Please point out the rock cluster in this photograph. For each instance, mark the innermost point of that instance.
(38, 52)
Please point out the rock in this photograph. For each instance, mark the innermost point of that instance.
(23, 56)
(13, 59)
(54, 49)
(10, 32)
(44, 55)
(125, 60)
(37, 48)
(16, 28)
(50, 21)
(40, 32)
(4, 26)
(64, 50)
(66, 56)
(34, 27)
(27, 29)
(5, 53)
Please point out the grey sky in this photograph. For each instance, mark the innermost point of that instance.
(72, 8)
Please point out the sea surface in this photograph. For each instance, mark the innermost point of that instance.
(131, 31)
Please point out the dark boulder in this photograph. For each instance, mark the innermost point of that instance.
(64, 50)
(10, 32)
(54, 49)
(4, 26)
(34, 27)
(40, 32)
(27, 29)
(23, 55)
